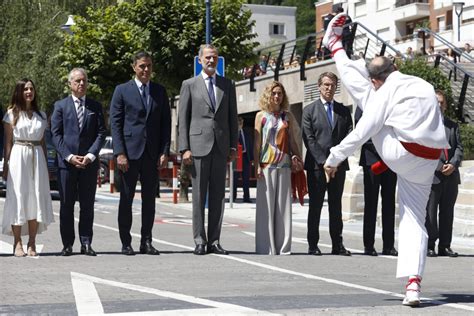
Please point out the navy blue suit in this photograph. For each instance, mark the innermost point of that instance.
(142, 132)
(75, 182)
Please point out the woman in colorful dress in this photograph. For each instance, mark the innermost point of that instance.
(28, 209)
(277, 154)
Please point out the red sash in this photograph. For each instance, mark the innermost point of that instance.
(414, 149)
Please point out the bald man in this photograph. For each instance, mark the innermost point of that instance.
(402, 116)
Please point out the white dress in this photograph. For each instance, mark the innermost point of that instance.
(28, 194)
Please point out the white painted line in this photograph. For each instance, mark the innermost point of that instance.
(86, 296)
(88, 301)
(304, 275)
(304, 241)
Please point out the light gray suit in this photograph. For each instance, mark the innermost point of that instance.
(210, 136)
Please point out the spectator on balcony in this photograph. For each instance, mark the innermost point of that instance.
(451, 55)
(431, 54)
(410, 54)
(467, 50)
(444, 189)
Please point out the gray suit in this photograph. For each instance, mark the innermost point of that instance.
(210, 136)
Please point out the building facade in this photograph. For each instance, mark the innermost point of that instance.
(273, 24)
(396, 21)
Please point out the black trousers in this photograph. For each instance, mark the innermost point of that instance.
(317, 187)
(146, 169)
(386, 184)
(444, 195)
(77, 184)
(245, 179)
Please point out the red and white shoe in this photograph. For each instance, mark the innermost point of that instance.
(412, 296)
(332, 38)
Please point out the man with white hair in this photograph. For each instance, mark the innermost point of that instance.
(402, 116)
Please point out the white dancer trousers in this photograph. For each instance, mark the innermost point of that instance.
(414, 174)
(273, 218)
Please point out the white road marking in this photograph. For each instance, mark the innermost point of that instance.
(304, 275)
(7, 248)
(304, 241)
(88, 301)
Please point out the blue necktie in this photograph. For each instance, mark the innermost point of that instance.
(329, 113)
(212, 97)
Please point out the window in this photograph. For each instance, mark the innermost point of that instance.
(383, 4)
(441, 23)
(360, 8)
(277, 29)
(383, 34)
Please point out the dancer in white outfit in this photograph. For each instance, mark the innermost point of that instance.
(402, 116)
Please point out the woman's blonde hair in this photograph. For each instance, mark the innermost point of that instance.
(265, 98)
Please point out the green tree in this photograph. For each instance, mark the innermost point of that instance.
(30, 39)
(419, 67)
(171, 30)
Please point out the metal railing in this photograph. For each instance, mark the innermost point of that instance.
(425, 33)
(364, 43)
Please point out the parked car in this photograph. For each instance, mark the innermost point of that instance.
(106, 155)
(52, 166)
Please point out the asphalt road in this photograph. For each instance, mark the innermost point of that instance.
(180, 283)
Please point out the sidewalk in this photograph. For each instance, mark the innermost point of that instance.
(246, 211)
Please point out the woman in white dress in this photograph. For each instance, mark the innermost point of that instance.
(28, 209)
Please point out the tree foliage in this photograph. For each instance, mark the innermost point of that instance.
(419, 67)
(171, 30)
(30, 39)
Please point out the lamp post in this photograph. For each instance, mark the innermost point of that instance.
(458, 7)
(67, 26)
(208, 22)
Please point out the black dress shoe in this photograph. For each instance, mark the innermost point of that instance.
(147, 248)
(128, 251)
(447, 252)
(200, 250)
(370, 252)
(390, 252)
(217, 249)
(431, 253)
(314, 251)
(67, 251)
(88, 251)
(247, 201)
(342, 251)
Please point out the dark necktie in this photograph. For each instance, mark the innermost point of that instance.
(80, 113)
(329, 113)
(212, 97)
(143, 95)
(242, 141)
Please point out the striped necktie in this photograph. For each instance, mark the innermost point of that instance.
(80, 113)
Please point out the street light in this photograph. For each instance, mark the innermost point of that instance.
(208, 22)
(70, 22)
(458, 6)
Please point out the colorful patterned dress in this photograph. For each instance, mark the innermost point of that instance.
(273, 218)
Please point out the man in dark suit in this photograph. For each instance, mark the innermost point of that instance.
(208, 139)
(325, 124)
(78, 132)
(386, 183)
(247, 156)
(141, 131)
(444, 189)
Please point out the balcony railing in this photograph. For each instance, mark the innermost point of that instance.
(401, 3)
